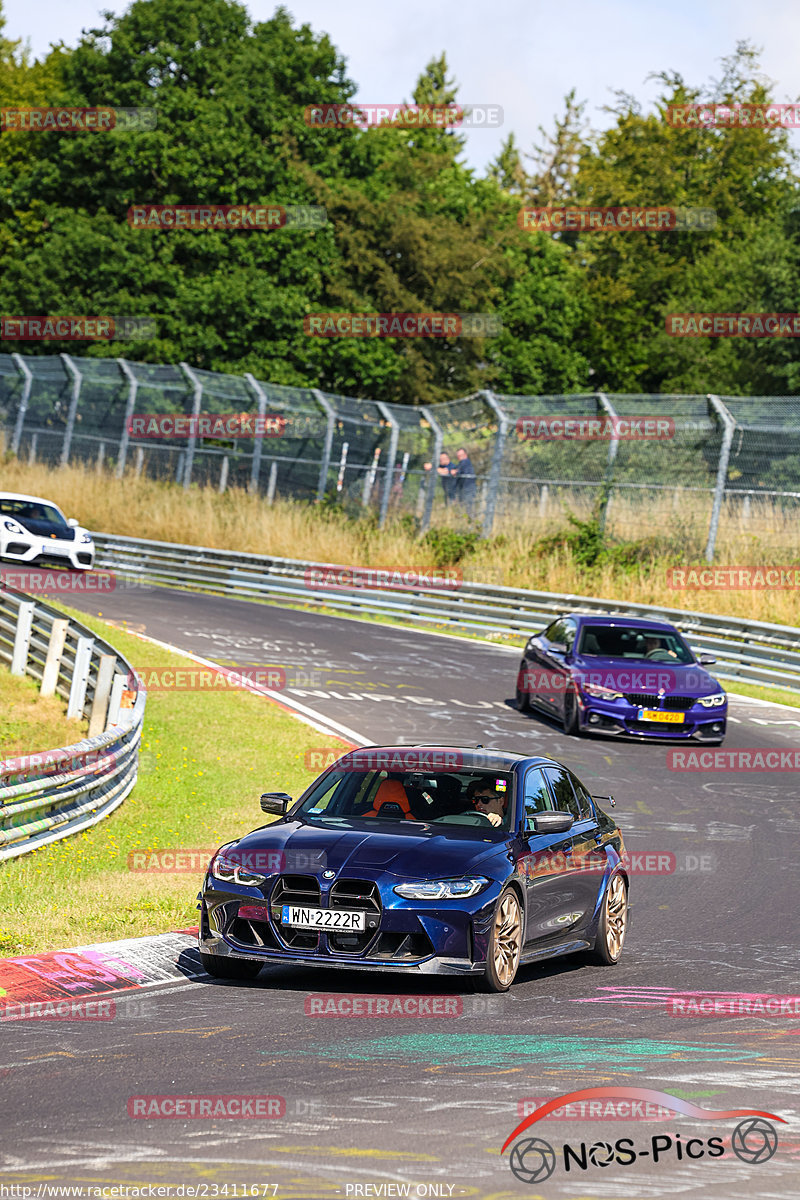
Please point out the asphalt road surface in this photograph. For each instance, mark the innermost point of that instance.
(393, 1106)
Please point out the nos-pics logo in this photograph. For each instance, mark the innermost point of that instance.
(754, 1140)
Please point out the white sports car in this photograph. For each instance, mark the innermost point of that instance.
(33, 530)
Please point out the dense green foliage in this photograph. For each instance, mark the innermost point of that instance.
(410, 227)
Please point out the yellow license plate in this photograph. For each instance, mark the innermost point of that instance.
(654, 714)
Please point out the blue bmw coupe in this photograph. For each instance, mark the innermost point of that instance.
(426, 859)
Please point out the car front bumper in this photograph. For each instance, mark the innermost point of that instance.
(76, 556)
(444, 939)
(615, 718)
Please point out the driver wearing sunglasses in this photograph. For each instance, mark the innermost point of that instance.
(487, 800)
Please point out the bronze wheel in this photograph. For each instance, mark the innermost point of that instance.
(505, 943)
(613, 923)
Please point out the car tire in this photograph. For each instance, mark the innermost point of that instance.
(505, 944)
(569, 719)
(523, 698)
(613, 924)
(222, 967)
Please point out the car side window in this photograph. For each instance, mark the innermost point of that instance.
(584, 799)
(570, 629)
(556, 632)
(565, 798)
(536, 796)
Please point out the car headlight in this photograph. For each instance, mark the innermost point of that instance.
(228, 870)
(600, 693)
(13, 527)
(86, 537)
(714, 701)
(442, 889)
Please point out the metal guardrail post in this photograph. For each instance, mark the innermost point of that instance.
(188, 461)
(394, 439)
(80, 677)
(497, 459)
(608, 482)
(25, 371)
(130, 405)
(52, 663)
(438, 443)
(729, 427)
(258, 443)
(77, 380)
(22, 637)
(327, 445)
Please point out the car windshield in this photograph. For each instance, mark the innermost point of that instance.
(31, 510)
(629, 641)
(479, 799)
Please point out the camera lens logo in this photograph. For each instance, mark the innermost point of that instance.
(754, 1140)
(533, 1160)
(601, 1154)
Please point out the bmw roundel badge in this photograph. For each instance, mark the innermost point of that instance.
(328, 874)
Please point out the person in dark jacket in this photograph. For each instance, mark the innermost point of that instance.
(446, 472)
(463, 474)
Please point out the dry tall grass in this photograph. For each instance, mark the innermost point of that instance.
(673, 528)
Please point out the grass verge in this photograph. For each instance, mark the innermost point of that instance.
(205, 759)
(30, 722)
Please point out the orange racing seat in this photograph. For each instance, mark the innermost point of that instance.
(391, 791)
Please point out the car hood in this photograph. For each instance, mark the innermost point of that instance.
(47, 529)
(634, 675)
(421, 853)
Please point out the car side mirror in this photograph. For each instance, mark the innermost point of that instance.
(552, 822)
(73, 523)
(706, 660)
(275, 802)
(557, 647)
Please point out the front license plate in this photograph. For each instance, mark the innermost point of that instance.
(322, 918)
(655, 714)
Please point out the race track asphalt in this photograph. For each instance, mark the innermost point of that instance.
(374, 1104)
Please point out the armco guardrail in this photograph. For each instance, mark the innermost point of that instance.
(55, 793)
(750, 651)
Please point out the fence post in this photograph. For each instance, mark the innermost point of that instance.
(102, 691)
(130, 405)
(192, 439)
(80, 677)
(22, 637)
(258, 443)
(729, 426)
(55, 649)
(438, 442)
(77, 380)
(223, 474)
(394, 438)
(369, 478)
(605, 493)
(32, 449)
(342, 465)
(327, 445)
(497, 460)
(273, 479)
(25, 371)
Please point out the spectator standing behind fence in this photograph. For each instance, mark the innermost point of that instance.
(464, 478)
(446, 471)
